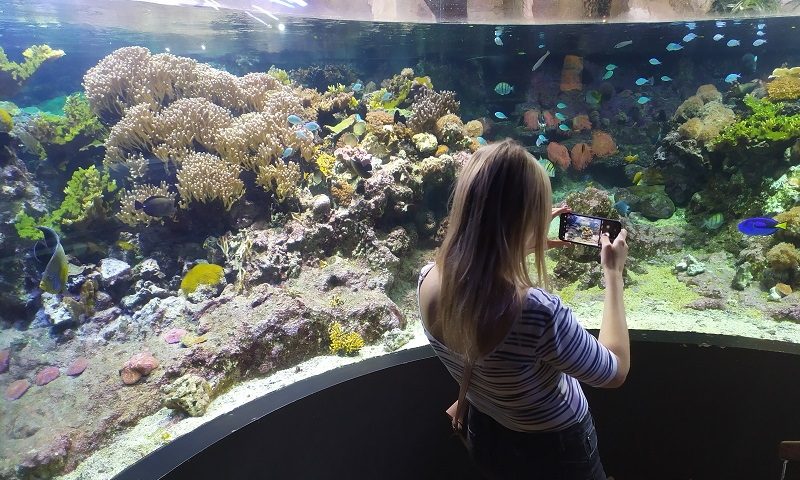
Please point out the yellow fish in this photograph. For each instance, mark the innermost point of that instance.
(637, 178)
(632, 158)
(54, 278)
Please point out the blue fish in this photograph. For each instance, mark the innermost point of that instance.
(732, 78)
(503, 88)
(561, 105)
(541, 45)
(294, 119)
(718, 37)
(563, 128)
(54, 278)
(386, 97)
(313, 126)
(357, 87)
(623, 208)
(654, 61)
(481, 141)
(691, 26)
(689, 37)
(761, 26)
(500, 115)
(498, 41)
(641, 81)
(560, 116)
(609, 74)
(611, 66)
(642, 100)
(674, 46)
(665, 78)
(301, 134)
(760, 226)
(358, 118)
(287, 152)
(720, 23)
(733, 43)
(759, 42)
(541, 140)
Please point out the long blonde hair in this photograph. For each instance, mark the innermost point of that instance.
(502, 199)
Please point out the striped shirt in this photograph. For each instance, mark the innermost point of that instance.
(529, 382)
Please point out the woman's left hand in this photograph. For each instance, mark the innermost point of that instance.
(555, 242)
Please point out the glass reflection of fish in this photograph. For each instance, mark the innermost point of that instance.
(54, 278)
(156, 206)
(760, 226)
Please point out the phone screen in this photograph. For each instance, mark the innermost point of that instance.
(586, 230)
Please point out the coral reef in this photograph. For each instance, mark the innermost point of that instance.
(429, 106)
(571, 73)
(201, 274)
(344, 343)
(13, 75)
(558, 154)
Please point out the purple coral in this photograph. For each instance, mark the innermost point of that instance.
(355, 158)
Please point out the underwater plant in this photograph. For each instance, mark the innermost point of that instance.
(344, 343)
(13, 75)
(766, 123)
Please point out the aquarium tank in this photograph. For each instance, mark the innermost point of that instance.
(204, 201)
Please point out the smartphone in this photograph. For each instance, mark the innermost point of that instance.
(586, 230)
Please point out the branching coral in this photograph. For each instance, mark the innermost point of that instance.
(344, 343)
(281, 178)
(204, 177)
(429, 106)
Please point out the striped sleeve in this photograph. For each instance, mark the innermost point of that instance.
(568, 347)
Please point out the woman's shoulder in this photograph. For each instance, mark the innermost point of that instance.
(542, 301)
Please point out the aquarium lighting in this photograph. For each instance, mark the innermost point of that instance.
(265, 12)
(258, 20)
(281, 27)
(299, 3)
(281, 2)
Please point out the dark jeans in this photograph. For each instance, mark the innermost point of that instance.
(500, 453)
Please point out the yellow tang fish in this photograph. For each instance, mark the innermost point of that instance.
(54, 278)
(632, 158)
(637, 178)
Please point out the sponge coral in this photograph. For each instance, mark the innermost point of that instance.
(783, 256)
(204, 177)
(786, 87)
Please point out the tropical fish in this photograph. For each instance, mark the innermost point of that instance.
(609, 74)
(623, 44)
(759, 42)
(732, 78)
(481, 141)
(720, 23)
(611, 66)
(761, 33)
(760, 226)
(156, 206)
(641, 81)
(343, 125)
(642, 100)
(561, 105)
(541, 45)
(500, 115)
(313, 126)
(623, 208)
(691, 25)
(349, 139)
(637, 177)
(498, 41)
(503, 88)
(665, 78)
(54, 277)
(357, 117)
(399, 117)
(287, 152)
(593, 97)
(357, 87)
(713, 222)
(360, 127)
(294, 119)
(733, 43)
(541, 140)
(302, 135)
(761, 26)
(654, 61)
(541, 59)
(718, 37)
(632, 158)
(674, 46)
(689, 37)
(560, 116)
(548, 167)
(386, 96)
(563, 128)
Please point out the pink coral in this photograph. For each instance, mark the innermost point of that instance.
(549, 120)
(602, 144)
(581, 122)
(531, 119)
(558, 154)
(138, 366)
(581, 156)
(77, 367)
(46, 375)
(174, 335)
(17, 389)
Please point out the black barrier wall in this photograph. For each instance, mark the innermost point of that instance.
(688, 411)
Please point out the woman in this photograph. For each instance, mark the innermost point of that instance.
(522, 349)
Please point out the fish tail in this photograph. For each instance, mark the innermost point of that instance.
(781, 225)
(137, 205)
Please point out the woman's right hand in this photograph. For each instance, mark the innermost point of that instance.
(613, 255)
